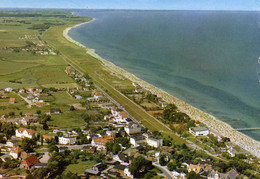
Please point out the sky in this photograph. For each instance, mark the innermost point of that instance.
(251, 5)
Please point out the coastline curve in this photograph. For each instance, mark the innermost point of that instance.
(210, 121)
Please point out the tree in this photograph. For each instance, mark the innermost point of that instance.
(40, 172)
(38, 111)
(116, 148)
(52, 148)
(172, 165)
(28, 144)
(109, 146)
(162, 160)
(193, 175)
(72, 108)
(138, 166)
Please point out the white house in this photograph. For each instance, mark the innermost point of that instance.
(16, 151)
(137, 140)
(132, 128)
(121, 117)
(8, 89)
(23, 132)
(199, 131)
(115, 111)
(154, 141)
(127, 173)
(67, 140)
(100, 142)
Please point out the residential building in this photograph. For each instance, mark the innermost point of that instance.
(16, 151)
(23, 132)
(100, 142)
(132, 128)
(127, 173)
(8, 89)
(137, 140)
(154, 141)
(67, 140)
(55, 111)
(12, 100)
(199, 131)
(29, 162)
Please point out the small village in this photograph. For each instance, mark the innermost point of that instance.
(121, 147)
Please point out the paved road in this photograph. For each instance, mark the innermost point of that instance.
(166, 172)
(30, 103)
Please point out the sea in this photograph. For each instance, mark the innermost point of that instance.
(209, 59)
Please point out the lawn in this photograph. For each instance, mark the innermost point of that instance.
(80, 167)
(67, 120)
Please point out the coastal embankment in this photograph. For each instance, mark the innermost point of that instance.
(210, 121)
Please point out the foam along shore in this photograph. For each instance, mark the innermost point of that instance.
(210, 121)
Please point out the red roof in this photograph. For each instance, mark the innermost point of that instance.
(30, 131)
(30, 161)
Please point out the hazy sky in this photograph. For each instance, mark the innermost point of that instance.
(137, 4)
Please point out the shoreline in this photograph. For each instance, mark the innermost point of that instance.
(214, 124)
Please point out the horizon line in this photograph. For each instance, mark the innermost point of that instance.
(56, 8)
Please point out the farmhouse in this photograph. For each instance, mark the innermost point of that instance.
(23, 132)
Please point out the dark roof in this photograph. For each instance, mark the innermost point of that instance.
(93, 172)
(123, 157)
(120, 167)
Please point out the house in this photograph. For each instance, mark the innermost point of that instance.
(121, 117)
(115, 111)
(99, 167)
(154, 141)
(132, 128)
(55, 111)
(8, 89)
(12, 143)
(29, 90)
(199, 131)
(79, 88)
(67, 140)
(127, 173)
(199, 168)
(100, 142)
(12, 100)
(137, 140)
(47, 138)
(24, 155)
(21, 90)
(29, 162)
(28, 114)
(78, 97)
(232, 174)
(23, 132)
(119, 169)
(16, 151)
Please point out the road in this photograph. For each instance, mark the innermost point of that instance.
(166, 172)
(30, 103)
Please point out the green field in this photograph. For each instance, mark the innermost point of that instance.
(35, 70)
(77, 56)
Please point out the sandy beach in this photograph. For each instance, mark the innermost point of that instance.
(210, 121)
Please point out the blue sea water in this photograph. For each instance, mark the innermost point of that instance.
(206, 58)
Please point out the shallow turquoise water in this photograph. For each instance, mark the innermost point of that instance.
(208, 59)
